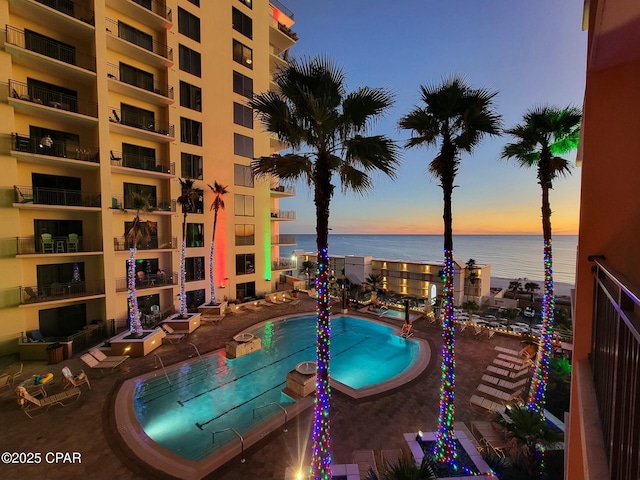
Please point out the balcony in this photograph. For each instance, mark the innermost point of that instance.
(284, 10)
(155, 243)
(49, 56)
(165, 205)
(277, 58)
(283, 240)
(35, 197)
(148, 281)
(282, 191)
(64, 15)
(280, 34)
(35, 150)
(150, 12)
(286, 215)
(150, 91)
(43, 102)
(281, 264)
(60, 245)
(60, 291)
(145, 50)
(140, 126)
(150, 167)
(615, 356)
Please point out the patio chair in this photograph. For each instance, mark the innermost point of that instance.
(30, 403)
(366, 461)
(170, 334)
(391, 457)
(101, 357)
(487, 404)
(75, 380)
(91, 362)
(5, 381)
(46, 240)
(73, 242)
(18, 374)
(31, 294)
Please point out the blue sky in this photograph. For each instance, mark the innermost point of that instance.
(532, 53)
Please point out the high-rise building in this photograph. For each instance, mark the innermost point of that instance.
(105, 99)
(604, 423)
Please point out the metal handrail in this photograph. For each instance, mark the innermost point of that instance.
(155, 365)
(59, 148)
(143, 122)
(157, 8)
(141, 162)
(60, 290)
(71, 9)
(286, 414)
(155, 47)
(158, 204)
(199, 356)
(150, 281)
(52, 99)
(55, 196)
(33, 245)
(164, 89)
(213, 440)
(155, 243)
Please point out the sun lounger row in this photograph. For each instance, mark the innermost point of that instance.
(508, 351)
(510, 358)
(507, 373)
(462, 427)
(97, 359)
(504, 383)
(488, 404)
(32, 404)
(509, 365)
(499, 394)
(366, 461)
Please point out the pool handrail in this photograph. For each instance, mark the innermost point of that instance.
(155, 365)
(286, 414)
(199, 356)
(213, 440)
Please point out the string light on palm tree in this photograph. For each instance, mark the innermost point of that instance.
(311, 110)
(218, 204)
(188, 200)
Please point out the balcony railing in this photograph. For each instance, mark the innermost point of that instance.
(142, 42)
(142, 122)
(55, 196)
(282, 264)
(50, 49)
(60, 291)
(283, 240)
(33, 245)
(58, 148)
(147, 281)
(282, 8)
(71, 9)
(289, 189)
(159, 204)
(140, 162)
(53, 99)
(615, 360)
(166, 90)
(284, 214)
(154, 243)
(156, 7)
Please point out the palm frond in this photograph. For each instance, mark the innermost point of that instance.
(285, 167)
(353, 179)
(373, 153)
(361, 106)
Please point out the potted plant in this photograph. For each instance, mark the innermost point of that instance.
(295, 293)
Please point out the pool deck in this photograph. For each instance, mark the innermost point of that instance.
(374, 423)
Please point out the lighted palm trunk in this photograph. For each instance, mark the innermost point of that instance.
(134, 314)
(183, 292)
(212, 282)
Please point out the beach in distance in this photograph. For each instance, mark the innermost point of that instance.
(510, 256)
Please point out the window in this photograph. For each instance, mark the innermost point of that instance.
(246, 2)
(245, 264)
(60, 276)
(195, 298)
(245, 235)
(190, 131)
(135, 36)
(148, 191)
(198, 202)
(242, 85)
(195, 234)
(242, 54)
(191, 166)
(195, 2)
(190, 96)
(242, 175)
(245, 290)
(242, 23)
(188, 24)
(194, 268)
(242, 115)
(137, 117)
(190, 61)
(136, 77)
(243, 145)
(243, 205)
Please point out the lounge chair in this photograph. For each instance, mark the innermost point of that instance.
(462, 427)
(295, 302)
(513, 359)
(101, 357)
(93, 363)
(366, 461)
(407, 330)
(75, 380)
(30, 403)
(5, 381)
(391, 457)
(15, 376)
(170, 334)
(488, 404)
(508, 351)
(499, 394)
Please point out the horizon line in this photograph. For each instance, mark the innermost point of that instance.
(442, 234)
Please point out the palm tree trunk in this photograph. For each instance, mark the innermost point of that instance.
(321, 454)
(444, 450)
(183, 254)
(212, 286)
(536, 400)
(135, 327)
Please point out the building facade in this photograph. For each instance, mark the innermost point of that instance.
(107, 99)
(604, 421)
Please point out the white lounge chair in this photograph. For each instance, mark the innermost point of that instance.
(366, 461)
(91, 362)
(75, 380)
(487, 404)
(171, 335)
(31, 403)
(101, 357)
(508, 351)
(499, 394)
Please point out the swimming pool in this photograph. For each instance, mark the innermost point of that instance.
(203, 399)
(390, 312)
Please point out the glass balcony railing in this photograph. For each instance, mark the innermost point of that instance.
(50, 48)
(283, 240)
(53, 99)
(282, 264)
(60, 290)
(55, 196)
(282, 8)
(140, 162)
(156, 7)
(71, 9)
(53, 148)
(288, 189)
(138, 39)
(154, 243)
(159, 204)
(141, 121)
(146, 83)
(283, 214)
(58, 244)
(147, 281)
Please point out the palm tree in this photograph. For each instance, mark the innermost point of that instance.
(515, 286)
(472, 274)
(544, 134)
(188, 202)
(531, 287)
(373, 280)
(138, 232)
(311, 110)
(470, 306)
(218, 203)
(509, 314)
(456, 117)
(308, 268)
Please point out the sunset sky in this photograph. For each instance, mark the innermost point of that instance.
(532, 53)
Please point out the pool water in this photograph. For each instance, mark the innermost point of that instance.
(395, 313)
(219, 393)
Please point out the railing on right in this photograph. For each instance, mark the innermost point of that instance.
(615, 361)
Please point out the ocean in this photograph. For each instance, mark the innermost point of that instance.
(510, 256)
